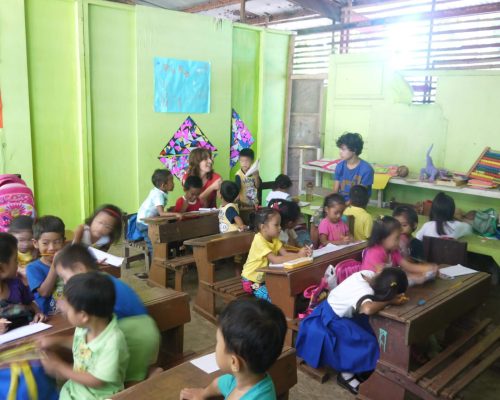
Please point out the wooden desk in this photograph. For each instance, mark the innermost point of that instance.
(207, 250)
(398, 328)
(168, 384)
(165, 230)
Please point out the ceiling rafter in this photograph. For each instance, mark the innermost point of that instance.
(282, 17)
(326, 8)
(211, 5)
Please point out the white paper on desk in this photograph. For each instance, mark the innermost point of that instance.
(206, 363)
(110, 259)
(202, 209)
(456, 270)
(330, 247)
(304, 203)
(23, 331)
(275, 265)
(315, 207)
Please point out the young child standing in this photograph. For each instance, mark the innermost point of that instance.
(229, 218)
(352, 170)
(409, 247)
(250, 337)
(442, 222)
(383, 251)
(338, 333)
(266, 248)
(21, 228)
(101, 229)
(363, 222)
(48, 239)
(100, 354)
(332, 229)
(248, 185)
(281, 189)
(191, 199)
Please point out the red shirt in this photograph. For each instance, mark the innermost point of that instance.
(191, 207)
(210, 201)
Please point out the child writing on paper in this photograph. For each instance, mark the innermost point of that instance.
(281, 189)
(100, 354)
(21, 228)
(248, 185)
(266, 248)
(332, 229)
(191, 199)
(101, 229)
(229, 218)
(363, 222)
(409, 246)
(12, 289)
(250, 338)
(338, 333)
(383, 251)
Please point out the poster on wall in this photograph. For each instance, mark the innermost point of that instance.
(241, 138)
(175, 154)
(181, 86)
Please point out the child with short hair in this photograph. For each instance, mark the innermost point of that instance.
(140, 330)
(352, 170)
(21, 228)
(409, 246)
(442, 222)
(101, 229)
(229, 218)
(250, 339)
(338, 333)
(290, 216)
(281, 189)
(191, 199)
(383, 251)
(363, 222)
(248, 185)
(48, 239)
(332, 229)
(100, 354)
(266, 248)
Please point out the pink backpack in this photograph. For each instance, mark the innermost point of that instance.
(346, 268)
(15, 199)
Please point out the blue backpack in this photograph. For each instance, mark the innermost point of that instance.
(133, 234)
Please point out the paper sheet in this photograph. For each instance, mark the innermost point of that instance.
(110, 259)
(331, 247)
(23, 331)
(304, 203)
(253, 168)
(456, 270)
(206, 363)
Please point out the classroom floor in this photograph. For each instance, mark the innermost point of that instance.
(199, 334)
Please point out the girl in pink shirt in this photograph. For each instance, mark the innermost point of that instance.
(332, 229)
(383, 251)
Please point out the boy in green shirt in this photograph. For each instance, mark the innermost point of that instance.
(100, 354)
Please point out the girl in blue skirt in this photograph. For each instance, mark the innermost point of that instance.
(338, 334)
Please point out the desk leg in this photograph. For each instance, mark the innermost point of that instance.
(204, 303)
(279, 288)
(158, 273)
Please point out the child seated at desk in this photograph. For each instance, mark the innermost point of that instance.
(409, 246)
(442, 222)
(248, 185)
(100, 354)
(383, 251)
(363, 222)
(266, 248)
(191, 199)
(290, 216)
(281, 189)
(338, 333)
(101, 229)
(229, 217)
(250, 338)
(140, 330)
(332, 229)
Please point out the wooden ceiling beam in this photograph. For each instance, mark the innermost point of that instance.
(211, 5)
(326, 8)
(282, 17)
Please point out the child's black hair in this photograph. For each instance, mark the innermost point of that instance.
(282, 182)
(192, 181)
(91, 292)
(442, 211)
(112, 211)
(409, 213)
(72, 254)
(331, 200)
(359, 196)
(262, 216)
(8, 247)
(21, 223)
(289, 210)
(353, 141)
(48, 224)
(247, 153)
(382, 229)
(229, 191)
(253, 329)
(160, 176)
(386, 286)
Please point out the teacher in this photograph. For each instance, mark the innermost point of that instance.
(200, 165)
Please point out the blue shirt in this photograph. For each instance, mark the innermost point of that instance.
(37, 272)
(361, 175)
(263, 390)
(128, 303)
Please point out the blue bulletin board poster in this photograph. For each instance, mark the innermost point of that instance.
(181, 86)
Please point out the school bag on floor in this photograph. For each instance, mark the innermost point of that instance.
(15, 199)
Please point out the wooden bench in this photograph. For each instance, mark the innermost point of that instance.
(179, 265)
(229, 289)
(168, 384)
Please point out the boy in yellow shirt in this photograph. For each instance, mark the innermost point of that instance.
(363, 222)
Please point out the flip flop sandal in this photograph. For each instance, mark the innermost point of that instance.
(346, 383)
